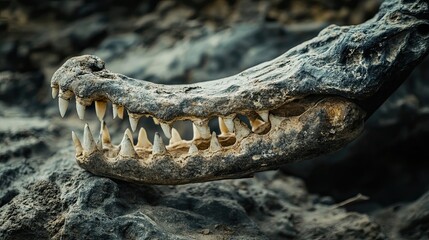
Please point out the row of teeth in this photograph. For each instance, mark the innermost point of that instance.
(226, 124)
(229, 126)
(128, 149)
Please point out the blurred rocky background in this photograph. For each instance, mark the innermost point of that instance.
(45, 195)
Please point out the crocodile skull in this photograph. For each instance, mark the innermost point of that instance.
(311, 100)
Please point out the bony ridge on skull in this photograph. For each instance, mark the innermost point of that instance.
(309, 101)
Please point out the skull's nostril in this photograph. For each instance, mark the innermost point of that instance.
(96, 64)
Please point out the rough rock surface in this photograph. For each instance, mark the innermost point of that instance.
(204, 58)
(40, 184)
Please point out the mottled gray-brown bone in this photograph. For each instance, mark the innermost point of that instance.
(337, 79)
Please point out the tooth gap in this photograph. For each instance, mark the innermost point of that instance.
(109, 110)
(151, 128)
(184, 128)
(214, 125)
(165, 140)
(245, 120)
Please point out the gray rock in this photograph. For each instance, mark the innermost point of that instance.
(213, 56)
(76, 36)
(406, 221)
(115, 46)
(22, 86)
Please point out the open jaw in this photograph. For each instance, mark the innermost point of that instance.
(309, 101)
(304, 129)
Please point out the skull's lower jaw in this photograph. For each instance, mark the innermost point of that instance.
(324, 127)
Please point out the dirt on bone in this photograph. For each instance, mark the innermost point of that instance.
(44, 194)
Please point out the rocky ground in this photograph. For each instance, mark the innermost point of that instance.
(44, 194)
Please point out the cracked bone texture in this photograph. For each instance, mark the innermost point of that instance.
(361, 64)
(43, 195)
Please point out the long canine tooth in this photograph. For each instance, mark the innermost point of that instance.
(158, 145)
(130, 135)
(196, 132)
(63, 104)
(77, 144)
(143, 141)
(241, 129)
(105, 135)
(223, 128)
(89, 145)
(80, 109)
(127, 149)
(54, 92)
(100, 109)
(175, 136)
(229, 123)
(203, 128)
(214, 143)
(134, 121)
(264, 115)
(256, 123)
(166, 129)
(193, 149)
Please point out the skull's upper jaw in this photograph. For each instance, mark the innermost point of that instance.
(285, 100)
(364, 63)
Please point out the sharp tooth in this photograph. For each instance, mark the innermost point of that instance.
(156, 121)
(114, 110)
(275, 120)
(54, 92)
(134, 121)
(203, 128)
(158, 145)
(127, 149)
(196, 132)
(100, 109)
(175, 136)
(193, 149)
(105, 135)
(77, 144)
(241, 129)
(229, 123)
(63, 104)
(166, 129)
(223, 128)
(130, 135)
(80, 110)
(264, 115)
(120, 110)
(214, 143)
(256, 123)
(89, 145)
(143, 141)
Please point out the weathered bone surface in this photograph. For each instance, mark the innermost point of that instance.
(311, 100)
